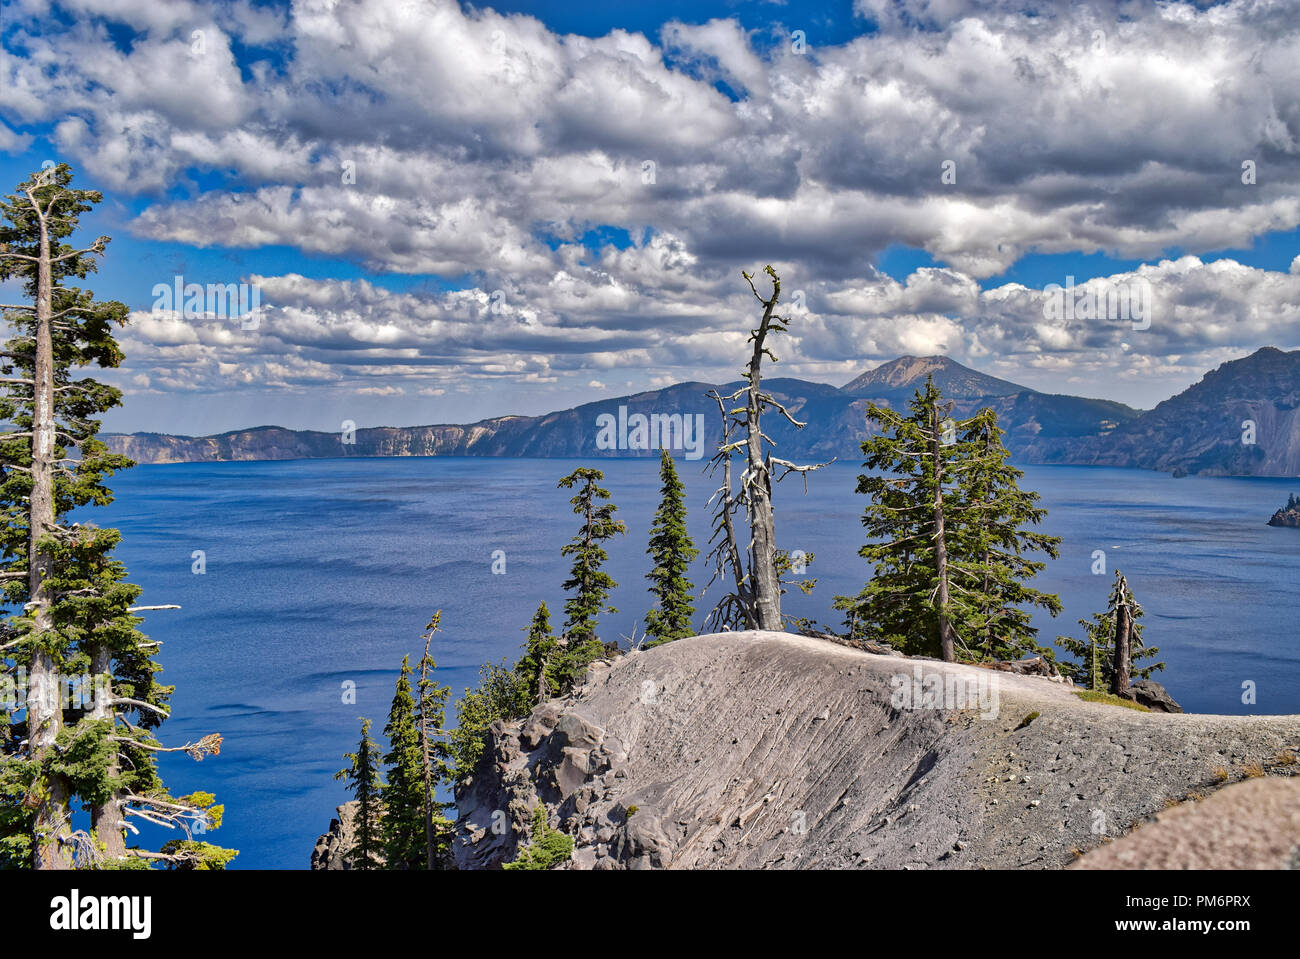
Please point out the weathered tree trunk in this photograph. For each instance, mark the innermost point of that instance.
(1123, 640)
(44, 697)
(765, 583)
(586, 553)
(756, 602)
(425, 758)
(947, 647)
(107, 821)
(429, 841)
(729, 551)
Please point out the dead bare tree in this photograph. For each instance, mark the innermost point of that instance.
(1122, 606)
(754, 600)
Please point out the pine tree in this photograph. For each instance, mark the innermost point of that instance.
(363, 779)
(431, 710)
(945, 538)
(537, 668)
(589, 586)
(673, 551)
(403, 825)
(76, 609)
(1095, 653)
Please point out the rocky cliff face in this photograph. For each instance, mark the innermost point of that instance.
(768, 750)
(1242, 419)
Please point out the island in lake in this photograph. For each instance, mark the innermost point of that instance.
(1288, 515)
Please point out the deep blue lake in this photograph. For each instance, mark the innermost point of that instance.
(321, 572)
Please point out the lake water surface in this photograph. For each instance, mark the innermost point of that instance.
(323, 572)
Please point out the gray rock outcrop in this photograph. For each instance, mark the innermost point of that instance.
(340, 836)
(338, 839)
(769, 750)
(1149, 693)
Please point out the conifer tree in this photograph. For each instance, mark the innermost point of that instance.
(1095, 653)
(403, 826)
(908, 601)
(945, 537)
(76, 610)
(588, 584)
(673, 551)
(364, 782)
(991, 548)
(536, 669)
(431, 710)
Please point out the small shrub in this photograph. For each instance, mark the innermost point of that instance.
(549, 847)
(1027, 720)
(1096, 696)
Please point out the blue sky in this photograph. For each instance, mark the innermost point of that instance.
(551, 203)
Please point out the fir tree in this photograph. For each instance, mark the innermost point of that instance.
(672, 551)
(403, 824)
(536, 669)
(76, 612)
(363, 779)
(1095, 653)
(588, 585)
(945, 537)
(908, 601)
(431, 709)
(990, 548)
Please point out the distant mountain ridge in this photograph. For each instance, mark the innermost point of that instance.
(901, 377)
(1193, 431)
(1242, 419)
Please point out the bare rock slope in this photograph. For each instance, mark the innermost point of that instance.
(769, 750)
(1249, 825)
